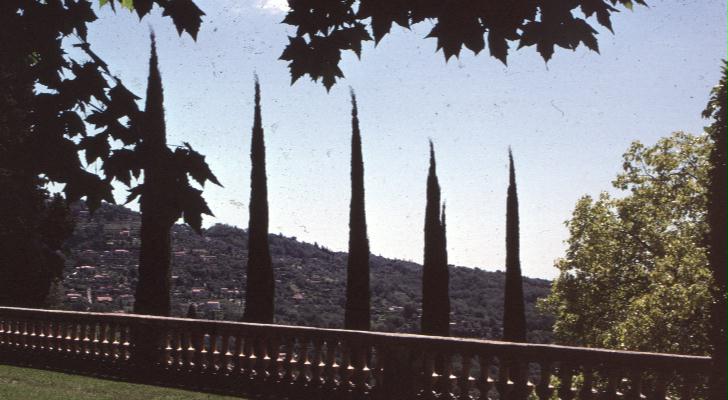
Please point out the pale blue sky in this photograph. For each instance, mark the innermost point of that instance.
(568, 121)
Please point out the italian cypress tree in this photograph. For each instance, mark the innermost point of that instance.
(435, 278)
(717, 237)
(357, 279)
(156, 203)
(165, 195)
(514, 317)
(259, 293)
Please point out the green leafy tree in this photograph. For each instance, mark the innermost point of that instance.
(635, 275)
(716, 109)
(48, 98)
(260, 289)
(326, 28)
(357, 278)
(435, 274)
(514, 313)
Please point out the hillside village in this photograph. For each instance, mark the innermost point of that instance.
(208, 271)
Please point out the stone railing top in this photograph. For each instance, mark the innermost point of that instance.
(522, 351)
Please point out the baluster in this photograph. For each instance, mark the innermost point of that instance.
(428, 378)
(504, 384)
(249, 357)
(358, 368)
(330, 366)
(177, 350)
(660, 387)
(188, 352)
(213, 354)
(3, 332)
(377, 366)
(15, 333)
(30, 334)
(635, 385)
(346, 369)
(302, 363)
(484, 382)
(262, 360)
(124, 344)
(104, 340)
(115, 342)
(586, 392)
(687, 389)
(94, 341)
(444, 375)
(76, 343)
(566, 375)
(237, 354)
(287, 361)
(197, 355)
(24, 334)
(58, 336)
(464, 380)
(521, 386)
(167, 341)
(43, 326)
(610, 392)
(274, 361)
(544, 390)
(317, 379)
(83, 337)
(225, 354)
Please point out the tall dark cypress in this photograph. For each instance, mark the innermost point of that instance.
(435, 278)
(357, 279)
(717, 234)
(260, 289)
(158, 215)
(514, 317)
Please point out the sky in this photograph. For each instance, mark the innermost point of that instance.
(567, 121)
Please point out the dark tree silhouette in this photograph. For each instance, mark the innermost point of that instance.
(165, 195)
(152, 291)
(435, 277)
(357, 279)
(33, 230)
(40, 129)
(325, 28)
(514, 314)
(717, 238)
(260, 289)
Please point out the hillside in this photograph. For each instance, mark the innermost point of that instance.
(208, 270)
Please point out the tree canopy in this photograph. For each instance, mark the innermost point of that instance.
(325, 28)
(635, 275)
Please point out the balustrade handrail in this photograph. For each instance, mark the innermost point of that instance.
(214, 340)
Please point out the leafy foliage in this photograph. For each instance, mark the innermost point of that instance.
(635, 274)
(185, 14)
(325, 28)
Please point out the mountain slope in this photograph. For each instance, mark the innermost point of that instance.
(208, 270)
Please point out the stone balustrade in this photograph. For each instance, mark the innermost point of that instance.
(286, 362)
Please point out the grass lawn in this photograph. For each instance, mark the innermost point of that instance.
(34, 384)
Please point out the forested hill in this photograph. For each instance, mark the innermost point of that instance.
(208, 270)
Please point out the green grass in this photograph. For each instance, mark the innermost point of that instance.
(34, 384)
